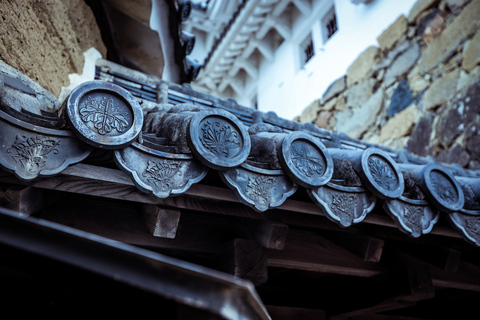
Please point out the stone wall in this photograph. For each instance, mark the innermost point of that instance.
(45, 39)
(418, 89)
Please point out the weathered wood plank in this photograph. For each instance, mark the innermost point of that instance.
(271, 235)
(414, 279)
(24, 199)
(307, 251)
(367, 248)
(161, 222)
(115, 184)
(123, 222)
(467, 277)
(245, 259)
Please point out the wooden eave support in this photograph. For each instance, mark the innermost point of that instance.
(367, 248)
(308, 251)
(245, 259)
(160, 221)
(24, 199)
(114, 184)
(413, 277)
(202, 237)
(271, 235)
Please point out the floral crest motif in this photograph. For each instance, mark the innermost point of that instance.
(219, 139)
(382, 173)
(301, 159)
(161, 173)
(413, 219)
(32, 152)
(344, 206)
(443, 187)
(260, 188)
(103, 115)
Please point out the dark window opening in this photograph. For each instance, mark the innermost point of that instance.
(309, 52)
(331, 26)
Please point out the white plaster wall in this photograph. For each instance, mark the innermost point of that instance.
(287, 89)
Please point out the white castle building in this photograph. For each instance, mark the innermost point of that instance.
(280, 55)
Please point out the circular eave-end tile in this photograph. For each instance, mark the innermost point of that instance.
(306, 160)
(218, 139)
(442, 188)
(381, 174)
(104, 115)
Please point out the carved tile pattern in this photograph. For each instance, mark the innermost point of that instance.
(303, 161)
(344, 206)
(32, 152)
(413, 219)
(103, 115)
(472, 226)
(443, 188)
(219, 139)
(162, 172)
(382, 173)
(260, 188)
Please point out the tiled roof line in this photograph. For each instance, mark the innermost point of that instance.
(184, 93)
(166, 149)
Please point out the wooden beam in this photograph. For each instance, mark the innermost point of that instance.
(123, 222)
(271, 235)
(24, 199)
(467, 277)
(115, 184)
(161, 222)
(245, 259)
(415, 277)
(441, 257)
(306, 250)
(367, 248)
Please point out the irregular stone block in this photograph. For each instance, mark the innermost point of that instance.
(402, 97)
(419, 142)
(387, 61)
(442, 90)
(432, 25)
(393, 33)
(360, 93)
(329, 105)
(440, 49)
(419, 7)
(324, 119)
(363, 118)
(454, 122)
(471, 56)
(400, 125)
(402, 64)
(46, 40)
(472, 146)
(335, 88)
(416, 81)
(456, 154)
(310, 113)
(361, 67)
